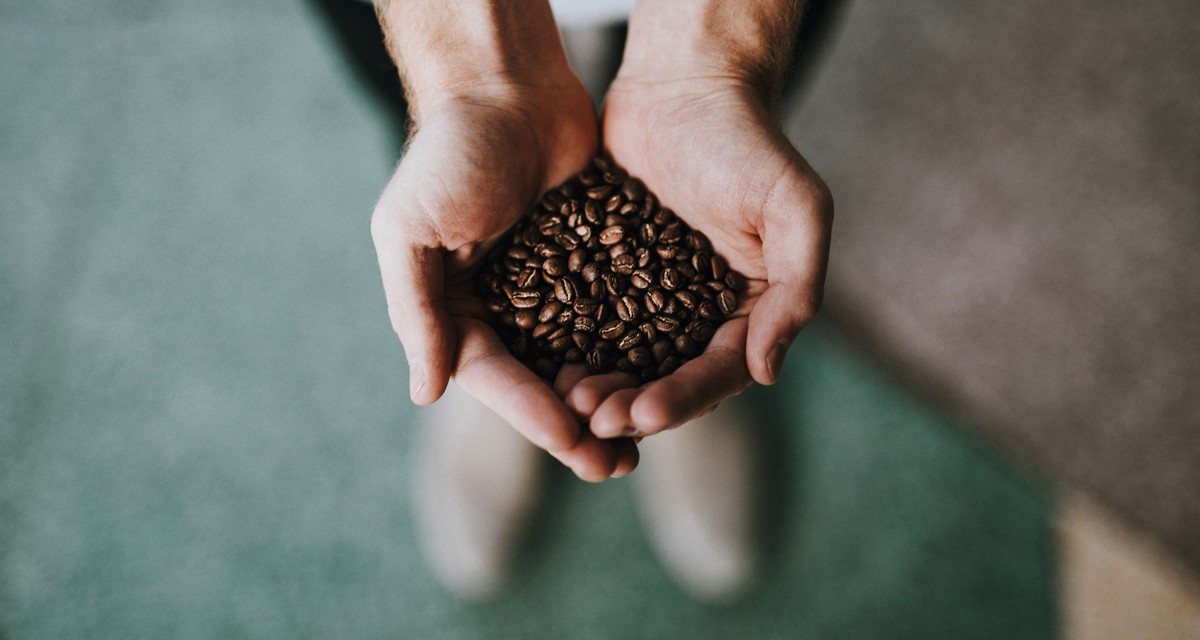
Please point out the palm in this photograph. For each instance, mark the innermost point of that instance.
(710, 151)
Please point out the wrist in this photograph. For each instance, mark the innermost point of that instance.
(482, 50)
(743, 42)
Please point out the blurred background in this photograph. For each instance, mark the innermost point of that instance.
(991, 432)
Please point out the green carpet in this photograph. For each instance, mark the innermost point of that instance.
(204, 429)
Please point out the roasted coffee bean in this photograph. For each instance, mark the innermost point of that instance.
(554, 267)
(627, 308)
(548, 312)
(525, 299)
(585, 323)
(592, 272)
(624, 264)
(525, 319)
(586, 306)
(542, 330)
(633, 189)
(640, 356)
(727, 302)
(612, 330)
(641, 279)
(602, 273)
(666, 324)
(670, 279)
(629, 340)
(655, 300)
(686, 346)
(687, 299)
(577, 260)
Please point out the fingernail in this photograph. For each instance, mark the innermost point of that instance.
(775, 360)
(416, 380)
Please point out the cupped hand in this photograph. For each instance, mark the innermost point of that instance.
(710, 149)
(476, 164)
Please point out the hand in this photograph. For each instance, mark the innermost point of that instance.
(707, 145)
(477, 163)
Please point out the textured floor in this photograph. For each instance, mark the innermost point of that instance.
(203, 428)
(1018, 227)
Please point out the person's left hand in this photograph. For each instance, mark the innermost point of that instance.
(710, 150)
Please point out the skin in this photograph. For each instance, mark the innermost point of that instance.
(500, 118)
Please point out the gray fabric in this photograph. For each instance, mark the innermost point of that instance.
(1019, 227)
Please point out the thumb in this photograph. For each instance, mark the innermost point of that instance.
(795, 229)
(414, 283)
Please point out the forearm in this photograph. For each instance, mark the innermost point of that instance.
(447, 49)
(747, 40)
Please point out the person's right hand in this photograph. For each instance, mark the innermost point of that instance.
(478, 162)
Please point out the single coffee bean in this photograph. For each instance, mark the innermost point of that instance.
(627, 308)
(612, 330)
(624, 264)
(668, 366)
(687, 346)
(633, 189)
(577, 260)
(542, 330)
(592, 272)
(649, 330)
(596, 288)
(585, 306)
(687, 299)
(612, 235)
(550, 225)
(613, 203)
(648, 233)
(703, 332)
(628, 210)
(562, 343)
(661, 349)
(670, 235)
(548, 312)
(641, 279)
(629, 340)
(727, 302)
(565, 291)
(525, 299)
(640, 356)
(597, 361)
(582, 340)
(615, 176)
(667, 251)
(600, 192)
(554, 267)
(708, 311)
(527, 278)
(567, 241)
(573, 356)
(584, 323)
(670, 279)
(655, 300)
(593, 212)
(548, 250)
(734, 281)
(666, 324)
(614, 284)
(525, 319)
(620, 249)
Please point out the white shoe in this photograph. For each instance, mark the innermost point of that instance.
(698, 494)
(476, 482)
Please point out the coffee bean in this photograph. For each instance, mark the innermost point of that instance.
(602, 273)
(554, 267)
(641, 279)
(525, 319)
(627, 308)
(612, 330)
(525, 299)
(542, 330)
(548, 312)
(727, 302)
(669, 279)
(687, 346)
(640, 356)
(577, 260)
(655, 300)
(585, 306)
(624, 264)
(565, 290)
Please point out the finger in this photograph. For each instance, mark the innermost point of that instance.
(487, 371)
(413, 281)
(627, 456)
(796, 227)
(592, 390)
(612, 419)
(568, 376)
(716, 374)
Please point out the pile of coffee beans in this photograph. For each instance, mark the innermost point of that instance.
(600, 273)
